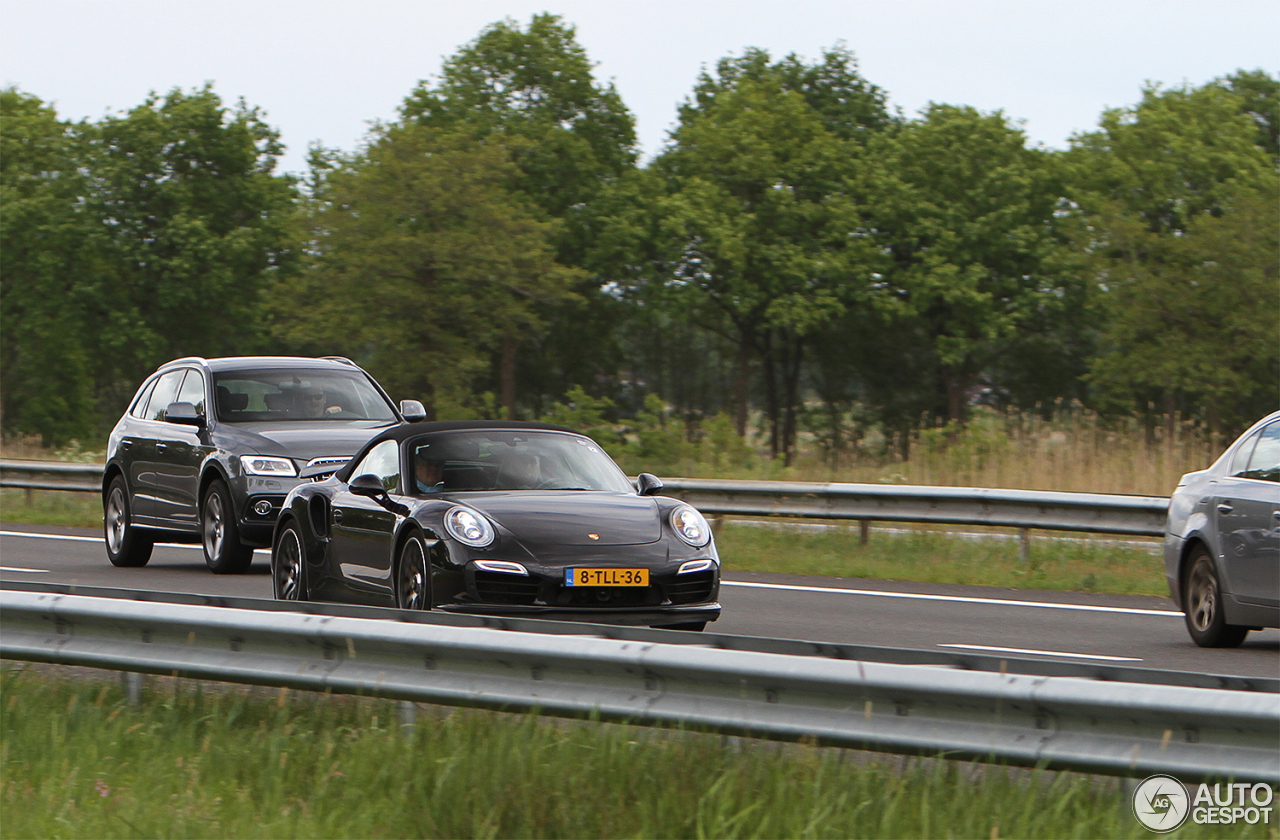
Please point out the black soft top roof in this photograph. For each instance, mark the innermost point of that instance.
(405, 431)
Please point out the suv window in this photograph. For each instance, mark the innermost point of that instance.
(1264, 464)
(192, 391)
(384, 462)
(139, 409)
(293, 394)
(165, 392)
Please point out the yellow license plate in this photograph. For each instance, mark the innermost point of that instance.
(606, 577)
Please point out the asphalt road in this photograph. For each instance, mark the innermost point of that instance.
(1141, 631)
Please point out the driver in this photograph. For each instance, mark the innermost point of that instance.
(312, 402)
(429, 474)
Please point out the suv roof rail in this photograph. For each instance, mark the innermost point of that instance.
(185, 360)
(342, 359)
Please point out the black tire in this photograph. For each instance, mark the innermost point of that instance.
(413, 575)
(691, 626)
(219, 535)
(127, 545)
(289, 566)
(1202, 604)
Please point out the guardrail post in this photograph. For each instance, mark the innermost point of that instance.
(864, 531)
(1024, 544)
(131, 681)
(408, 713)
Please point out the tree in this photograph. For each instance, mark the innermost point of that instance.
(965, 211)
(423, 260)
(532, 91)
(183, 192)
(144, 236)
(46, 363)
(1178, 210)
(761, 226)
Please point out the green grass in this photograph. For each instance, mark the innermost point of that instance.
(72, 510)
(230, 763)
(936, 557)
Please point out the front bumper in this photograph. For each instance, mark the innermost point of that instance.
(629, 617)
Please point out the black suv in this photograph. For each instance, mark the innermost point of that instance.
(209, 447)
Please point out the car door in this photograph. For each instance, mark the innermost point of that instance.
(362, 528)
(149, 430)
(1247, 505)
(180, 449)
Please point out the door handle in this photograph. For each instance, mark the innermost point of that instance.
(337, 515)
(1225, 507)
(126, 442)
(160, 447)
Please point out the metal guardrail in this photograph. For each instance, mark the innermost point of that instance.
(1025, 509)
(1029, 509)
(51, 475)
(946, 657)
(1060, 722)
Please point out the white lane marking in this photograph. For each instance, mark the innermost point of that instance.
(19, 569)
(49, 536)
(959, 599)
(1044, 652)
(72, 538)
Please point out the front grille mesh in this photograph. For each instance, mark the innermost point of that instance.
(500, 588)
(691, 588)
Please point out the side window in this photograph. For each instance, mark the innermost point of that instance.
(165, 392)
(192, 391)
(139, 409)
(384, 462)
(1240, 460)
(1264, 464)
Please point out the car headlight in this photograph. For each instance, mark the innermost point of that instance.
(468, 527)
(264, 465)
(690, 526)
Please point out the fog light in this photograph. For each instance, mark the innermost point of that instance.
(262, 507)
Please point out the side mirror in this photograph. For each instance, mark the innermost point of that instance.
(367, 485)
(648, 484)
(184, 413)
(317, 470)
(412, 410)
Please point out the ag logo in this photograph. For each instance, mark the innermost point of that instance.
(1160, 803)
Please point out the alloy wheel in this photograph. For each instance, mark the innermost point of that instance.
(289, 567)
(214, 528)
(413, 576)
(115, 519)
(1202, 596)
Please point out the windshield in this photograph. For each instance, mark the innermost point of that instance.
(297, 394)
(455, 461)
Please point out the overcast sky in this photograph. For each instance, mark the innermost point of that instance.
(322, 70)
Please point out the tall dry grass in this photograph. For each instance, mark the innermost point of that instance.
(1077, 452)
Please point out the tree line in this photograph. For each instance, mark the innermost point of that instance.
(797, 251)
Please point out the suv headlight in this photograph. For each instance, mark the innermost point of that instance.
(265, 465)
(468, 527)
(690, 526)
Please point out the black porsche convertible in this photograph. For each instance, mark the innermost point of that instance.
(496, 517)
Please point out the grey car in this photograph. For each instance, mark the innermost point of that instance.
(208, 449)
(1222, 540)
